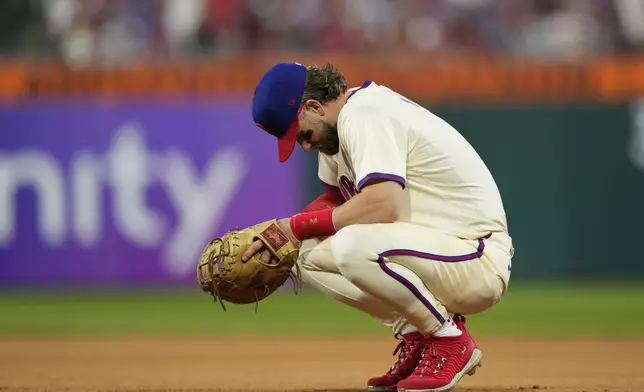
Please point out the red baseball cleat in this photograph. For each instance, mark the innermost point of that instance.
(410, 351)
(444, 362)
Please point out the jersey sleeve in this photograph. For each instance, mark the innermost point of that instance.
(374, 148)
(328, 172)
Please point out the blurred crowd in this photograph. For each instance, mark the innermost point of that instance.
(121, 31)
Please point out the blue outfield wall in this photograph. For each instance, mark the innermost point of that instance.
(129, 192)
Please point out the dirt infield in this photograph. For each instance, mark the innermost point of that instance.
(302, 365)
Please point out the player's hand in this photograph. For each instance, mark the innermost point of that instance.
(285, 225)
(258, 247)
(266, 255)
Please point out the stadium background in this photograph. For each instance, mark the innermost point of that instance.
(126, 142)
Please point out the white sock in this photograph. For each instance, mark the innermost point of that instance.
(448, 329)
(408, 329)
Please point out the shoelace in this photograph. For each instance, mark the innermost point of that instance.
(404, 348)
(433, 359)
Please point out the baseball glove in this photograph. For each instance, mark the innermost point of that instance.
(222, 272)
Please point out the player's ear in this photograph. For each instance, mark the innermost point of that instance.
(314, 106)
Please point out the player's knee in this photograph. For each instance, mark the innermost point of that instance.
(307, 255)
(348, 247)
(316, 255)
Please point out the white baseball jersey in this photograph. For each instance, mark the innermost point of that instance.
(385, 135)
(449, 251)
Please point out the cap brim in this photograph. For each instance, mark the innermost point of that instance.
(286, 144)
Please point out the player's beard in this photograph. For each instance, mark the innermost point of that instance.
(330, 143)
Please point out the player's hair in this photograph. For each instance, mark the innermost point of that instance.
(324, 84)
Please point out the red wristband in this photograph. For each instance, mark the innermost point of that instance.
(313, 224)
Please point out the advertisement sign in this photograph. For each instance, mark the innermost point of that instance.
(130, 192)
(437, 78)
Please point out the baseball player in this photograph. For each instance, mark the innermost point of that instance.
(411, 227)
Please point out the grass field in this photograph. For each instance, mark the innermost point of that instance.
(559, 337)
(610, 310)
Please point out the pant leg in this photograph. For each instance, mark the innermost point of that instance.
(318, 268)
(422, 273)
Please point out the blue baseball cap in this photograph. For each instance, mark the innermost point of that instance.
(277, 102)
